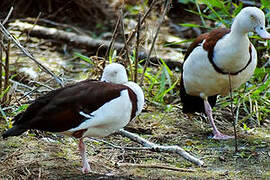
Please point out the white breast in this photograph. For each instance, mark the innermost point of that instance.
(200, 77)
(139, 93)
(230, 55)
(109, 118)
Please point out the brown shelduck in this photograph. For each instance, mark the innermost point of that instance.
(86, 109)
(213, 56)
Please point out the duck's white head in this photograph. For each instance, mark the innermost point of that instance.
(251, 19)
(115, 73)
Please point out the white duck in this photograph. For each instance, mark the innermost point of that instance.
(213, 56)
(85, 109)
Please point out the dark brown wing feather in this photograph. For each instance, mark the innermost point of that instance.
(213, 37)
(59, 110)
(195, 43)
(190, 103)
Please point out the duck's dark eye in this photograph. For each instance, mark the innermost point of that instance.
(261, 28)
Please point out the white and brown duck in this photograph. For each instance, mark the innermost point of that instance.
(86, 109)
(213, 56)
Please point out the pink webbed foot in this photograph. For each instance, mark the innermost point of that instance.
(217, 134)
(221, 136)
(86, 167)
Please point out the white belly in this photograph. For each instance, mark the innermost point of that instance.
(109, 118)
(200, 76)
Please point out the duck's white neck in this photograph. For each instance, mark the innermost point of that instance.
(238, 40)
(238, 35)
(232, 52)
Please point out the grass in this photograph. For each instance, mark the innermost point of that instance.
(21, 155)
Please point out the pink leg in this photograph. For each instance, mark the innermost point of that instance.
(217, 134)
(86, 166)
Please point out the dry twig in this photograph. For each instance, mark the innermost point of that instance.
(158, 166)
(141, 22)
(35, 23)
(121, 147)
(6, 68)
(160, 148)
(1, 70)
(113, 37)
(125, 41)
(9, 13)
(233, 116)
(137, 48)
(6, 65)
(57, 24)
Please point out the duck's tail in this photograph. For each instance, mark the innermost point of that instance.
(14, 131)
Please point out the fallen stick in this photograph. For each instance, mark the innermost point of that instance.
(67, 37)
(160, 148)
(80, 40)
(158, 166)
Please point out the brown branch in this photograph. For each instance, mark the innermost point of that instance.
(137, 48)
(67, 37)
(6, 67)
(2, 45)
(35, 23)
(113, 38)
(156, 166)
(233, 116)
(1, 70)
(142, 21)
(120, 147)
(126, 45)
(47, 21)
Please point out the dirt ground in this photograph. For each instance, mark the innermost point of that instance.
(32, 157)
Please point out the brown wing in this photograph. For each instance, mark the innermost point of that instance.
(195, 43)
(59, 110)
(210, 38)
(213, 37)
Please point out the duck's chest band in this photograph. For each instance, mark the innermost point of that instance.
(210, 57)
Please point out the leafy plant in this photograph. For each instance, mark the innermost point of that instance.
(158, 84)
(84, 58)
